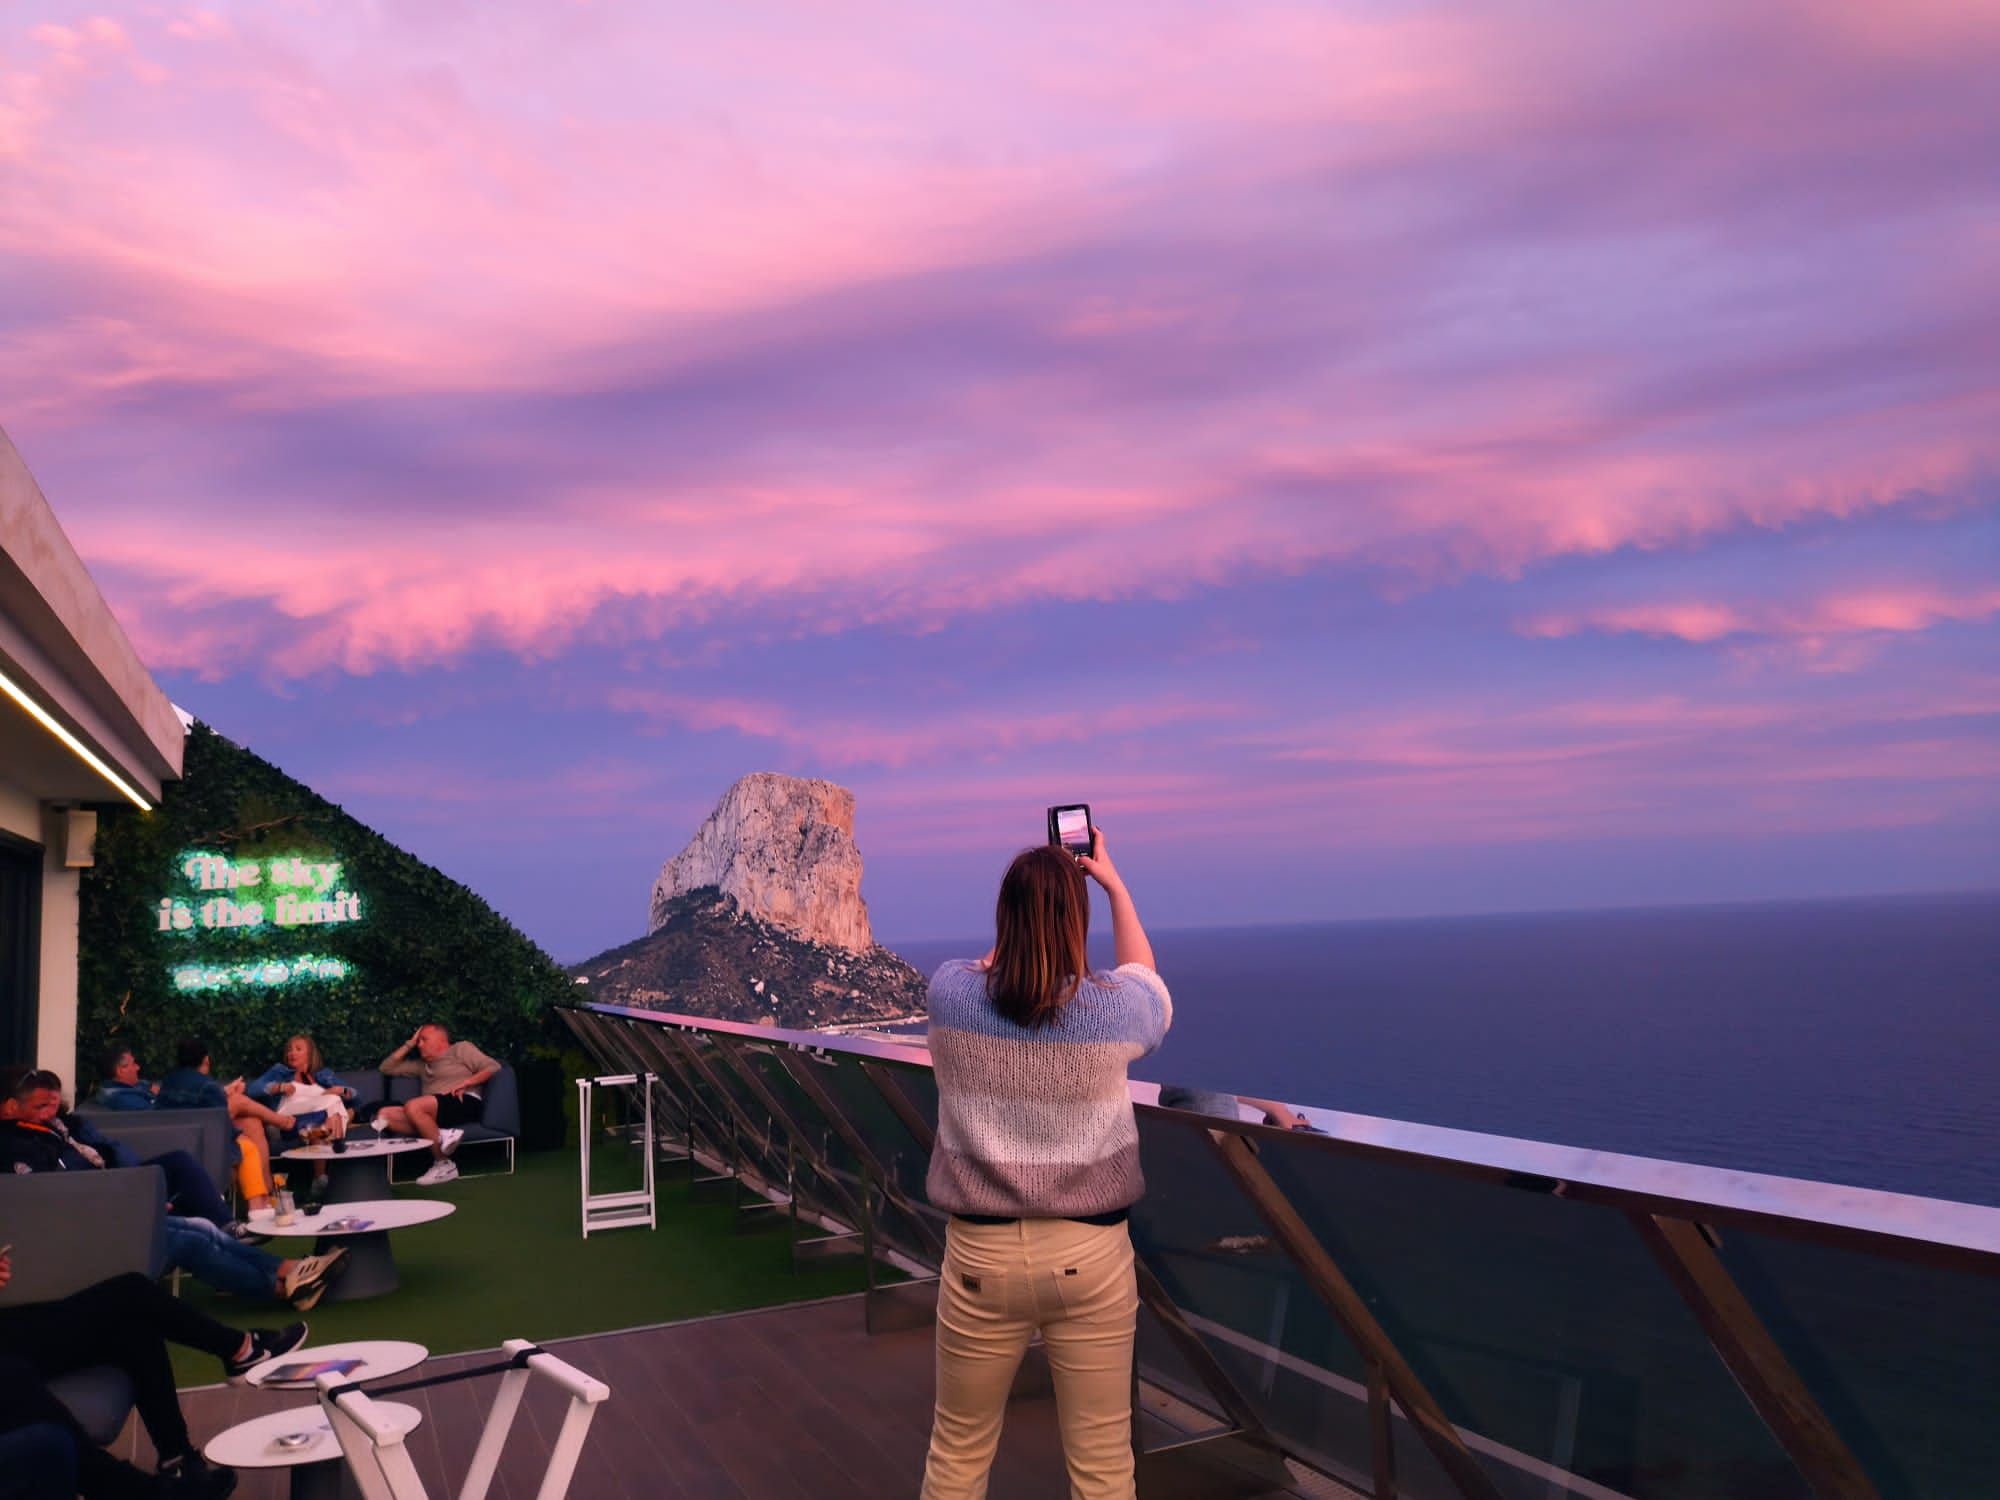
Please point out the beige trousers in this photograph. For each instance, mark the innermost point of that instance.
(1001, 1282)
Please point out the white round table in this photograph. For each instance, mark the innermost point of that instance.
(380, 1358)
(347, 1178)
(271, 1442)
(362, 1229)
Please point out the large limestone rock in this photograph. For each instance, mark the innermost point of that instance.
(783, 847)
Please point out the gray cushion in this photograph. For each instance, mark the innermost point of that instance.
(71, 1230)
(98, 1398)
(367, 1085)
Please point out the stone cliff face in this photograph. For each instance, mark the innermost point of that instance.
(708, 957)
(782, 848)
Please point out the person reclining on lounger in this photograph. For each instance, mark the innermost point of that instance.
(454, 1073)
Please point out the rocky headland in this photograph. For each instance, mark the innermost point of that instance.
(760, 919)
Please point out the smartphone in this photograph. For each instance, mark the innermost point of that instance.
(1070, 827)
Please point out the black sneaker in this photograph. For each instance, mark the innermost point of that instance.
(192, 1477)
(239, 1229)
(265, 1343)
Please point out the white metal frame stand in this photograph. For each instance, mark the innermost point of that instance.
(381, 1465)
(616, 1210)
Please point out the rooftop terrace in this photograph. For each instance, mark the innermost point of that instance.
(1381, 1308)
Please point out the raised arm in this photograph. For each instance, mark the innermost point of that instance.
(1128, 937)
(397, 1063)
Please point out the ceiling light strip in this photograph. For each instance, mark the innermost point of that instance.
(83, 752)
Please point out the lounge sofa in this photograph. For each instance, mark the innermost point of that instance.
(499, 1128)
(205, 1134)
(71, 1230)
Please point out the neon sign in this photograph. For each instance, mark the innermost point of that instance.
(301, 892)
(258, 973)
(253, 898)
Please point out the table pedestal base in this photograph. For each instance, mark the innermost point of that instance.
(371, 1265)
(329, 1479)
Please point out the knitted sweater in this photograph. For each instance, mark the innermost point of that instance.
(1038, 1124)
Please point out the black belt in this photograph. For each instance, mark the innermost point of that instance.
(1103, 1220)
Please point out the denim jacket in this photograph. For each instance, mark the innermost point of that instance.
(190, 1088)
(114, 1095)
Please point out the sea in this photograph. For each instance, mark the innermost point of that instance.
(1845, 1041)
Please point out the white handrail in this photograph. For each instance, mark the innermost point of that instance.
(377, 1456)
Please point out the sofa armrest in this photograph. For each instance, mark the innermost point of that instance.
(503, 1102)
(71, 1230)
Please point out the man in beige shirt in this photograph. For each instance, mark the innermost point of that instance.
(453, 1074)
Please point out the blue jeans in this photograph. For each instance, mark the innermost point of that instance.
(190, 1188)
(210, 1256)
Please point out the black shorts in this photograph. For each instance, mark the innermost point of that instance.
(459, 1109)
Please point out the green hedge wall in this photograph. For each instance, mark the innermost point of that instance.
(424, 947)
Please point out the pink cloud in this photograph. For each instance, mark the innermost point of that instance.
(1896, 610)
(980, 734)
(1497, 348)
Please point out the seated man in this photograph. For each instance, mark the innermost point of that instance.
(190, 1190)
(453, 1075)
(120, 1086)
(127, 1322)
(190, 1086)
(30, 1141)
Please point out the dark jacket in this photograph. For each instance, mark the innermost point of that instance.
(78, 1128)
(190, 1088)
(115, 1095)
(39, 1148)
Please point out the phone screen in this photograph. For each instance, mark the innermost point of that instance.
(1073, 828)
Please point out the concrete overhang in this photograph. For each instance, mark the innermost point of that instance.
(61, 649)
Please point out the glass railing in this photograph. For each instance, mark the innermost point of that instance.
(1413, 1311)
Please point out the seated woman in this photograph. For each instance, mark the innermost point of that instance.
(190, 1086)
(309, 1097)
(304, 1089)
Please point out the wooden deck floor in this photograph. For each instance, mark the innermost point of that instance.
(788, 1401)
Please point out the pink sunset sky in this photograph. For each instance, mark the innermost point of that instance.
(1387, 458)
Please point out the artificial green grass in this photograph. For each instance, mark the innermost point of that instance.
(511, 1262)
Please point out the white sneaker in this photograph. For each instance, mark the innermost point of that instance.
(440, 1172)
(449, 1138)
(311, 1277)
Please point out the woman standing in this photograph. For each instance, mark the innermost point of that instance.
(1037, 1162)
